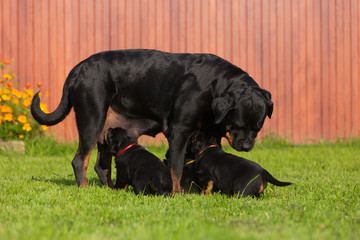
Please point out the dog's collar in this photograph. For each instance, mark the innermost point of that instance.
(125, 149)
(190, 162)
(187, 163)
(211, 146)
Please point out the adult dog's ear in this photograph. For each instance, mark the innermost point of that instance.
(267, 98)
(270, 104)
(221, 106)
(271, 108)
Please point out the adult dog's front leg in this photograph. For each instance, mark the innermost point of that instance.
(177, 150)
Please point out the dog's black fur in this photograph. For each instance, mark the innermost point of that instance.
(136, 166)
(149, 91)
(189, 182)
(229, 174)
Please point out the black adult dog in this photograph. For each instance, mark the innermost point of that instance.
(149, 91)
(136, 166)
(215, 170)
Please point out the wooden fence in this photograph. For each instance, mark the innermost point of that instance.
(305, 52)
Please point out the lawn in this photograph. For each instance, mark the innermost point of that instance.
(39, 199)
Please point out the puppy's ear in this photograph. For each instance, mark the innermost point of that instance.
(191, 146)
(114, 147)
(221, 106)
(213, 140)
(116, 138)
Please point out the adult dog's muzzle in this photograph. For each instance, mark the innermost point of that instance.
(240, 144)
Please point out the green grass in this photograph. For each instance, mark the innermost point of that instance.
(39, 199)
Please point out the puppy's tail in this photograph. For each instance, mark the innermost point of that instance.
(60, 112)
(269, 178)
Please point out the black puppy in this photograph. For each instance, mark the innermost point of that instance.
(136, 166)
(217, 170)
(149, 91)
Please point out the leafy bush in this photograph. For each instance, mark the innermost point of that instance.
(16, 121)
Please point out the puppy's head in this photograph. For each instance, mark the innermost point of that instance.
(117, 139)
(242, 113)
(200, 141)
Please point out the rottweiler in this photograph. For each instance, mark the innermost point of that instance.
(189, 182)
(137, 167)
(148, 92)
(217, 171)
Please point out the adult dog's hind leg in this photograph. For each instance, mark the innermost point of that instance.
(88, 134)
(81, 160)
(91, 100)
(103, 165)
(80, 164)
(89, 127)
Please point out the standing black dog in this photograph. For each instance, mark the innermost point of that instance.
(215, 170)
(136, 166)
(149, 91)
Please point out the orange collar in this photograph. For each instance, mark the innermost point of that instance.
(211, 146)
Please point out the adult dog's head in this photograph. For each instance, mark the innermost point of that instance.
(241, 113)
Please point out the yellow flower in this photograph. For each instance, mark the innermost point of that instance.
(47, 93)
(8, 117)
(7, 76)
(6, 97)
(44, 127)
(30, 92)
(27, 127)
(43, 107)
(1, 91)
(22, 119)
(6, 109)
(15, 101)
(6, 91)
(27, 102)
(21, 136)
(16, 93)
(1, 118)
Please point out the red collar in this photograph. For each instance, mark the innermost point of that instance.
(125, 149)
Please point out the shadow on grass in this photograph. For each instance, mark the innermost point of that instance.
(61, 181)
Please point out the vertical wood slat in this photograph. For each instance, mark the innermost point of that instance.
(306, 53)
(273, 60)
(323, 45)
(355, 63)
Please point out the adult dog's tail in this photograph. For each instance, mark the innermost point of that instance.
(60, 112)
(269, 178)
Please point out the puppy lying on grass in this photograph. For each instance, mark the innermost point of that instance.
(216, 170)
(136, 166)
